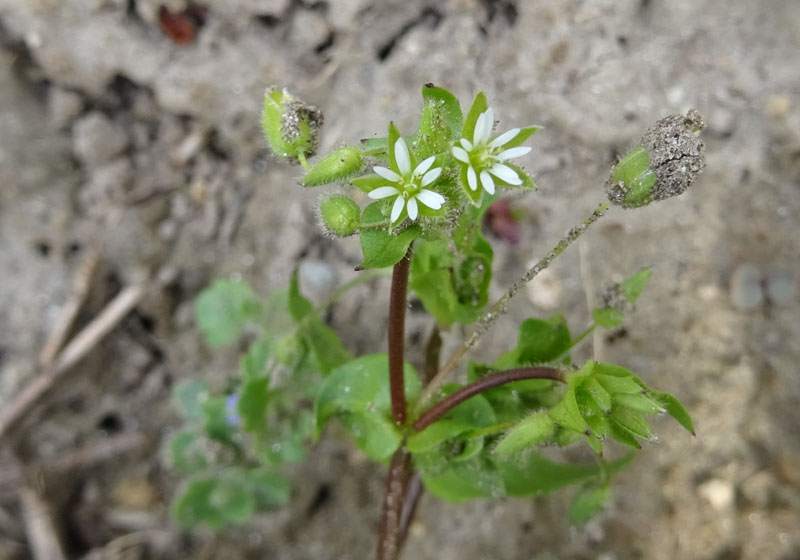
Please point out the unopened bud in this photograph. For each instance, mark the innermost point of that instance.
(340, 215)
(291, 126)
(339, 165)
(668, 160)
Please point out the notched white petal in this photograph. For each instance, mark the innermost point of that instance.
(432, 200)
(397, 208)
(387, 173)
(424, 166)
(460, 154)
(412, 208)
(478, 134)
(431, 176)
(401, 156)
(505, 173)
(513, 153)
(488, 124)
(467, 144)
(382, 192)
(507, 136)
(472, 180)
(487, 182)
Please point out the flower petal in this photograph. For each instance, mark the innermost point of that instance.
(503, 138)
(432, 200)
(401, 156)
(412, 208)
(505, 173)
(460, 154)
(431, 176)
(471, 178)
(467, 144)
(487, 181)
(479, 125)
(397, 209)
(488, 125)
(424, 166)
(382, 192)
(387, 173)
(513, 153)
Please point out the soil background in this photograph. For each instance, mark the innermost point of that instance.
(141, 141)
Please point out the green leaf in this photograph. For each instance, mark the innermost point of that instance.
(588, 502)
(328, 350)
(186, 453)
(675, 409)
(464, 481)
(382, 249)
(632, 287)
(531, 474)
(215, 502)
(217, 419)
(189, 396)
(539, 341)
(223, 310)
(616, 385)
(436, 433)
(375, 434)
(270, 489)
(252, 405)
(567, 414)
(608, 317)
(358, 391)
(254, 361)
(531, 431)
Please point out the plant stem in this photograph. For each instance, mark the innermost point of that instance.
(397, 483)
(481, 385)
(397, 320)
(501, 305)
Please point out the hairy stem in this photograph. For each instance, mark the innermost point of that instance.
(500, 307)
(484, 384)
(390, 530)
(397, 321)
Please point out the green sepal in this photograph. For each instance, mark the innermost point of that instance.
(675, 409)
(639, 403)
(370, 182)
(521, 137)
(339, 165)
(479, 105)
(567, 413)
(473, 196)
(527, 182)
(290, 126)
(531, 431)
(633, 176)
(631, 420)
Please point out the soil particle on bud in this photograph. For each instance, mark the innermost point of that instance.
(676, 153)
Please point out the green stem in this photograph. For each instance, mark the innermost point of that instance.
(500, 307)
(301, 157)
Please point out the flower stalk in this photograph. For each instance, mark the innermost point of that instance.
(396, 333)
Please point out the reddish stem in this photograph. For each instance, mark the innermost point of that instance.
(390, 531)
(397, 321)
(484, 384)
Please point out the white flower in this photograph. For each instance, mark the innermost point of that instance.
(485, 159)
(407, 185)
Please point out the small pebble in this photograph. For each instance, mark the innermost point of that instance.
(718, 492)
(97, 140)
(545, 290)
(317, 279)
(780, 286)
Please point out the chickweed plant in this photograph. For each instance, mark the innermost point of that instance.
(460, 430)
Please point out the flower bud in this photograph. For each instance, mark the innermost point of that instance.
(291, 126)
(340, 215)
(667, 161)
(339, 165)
